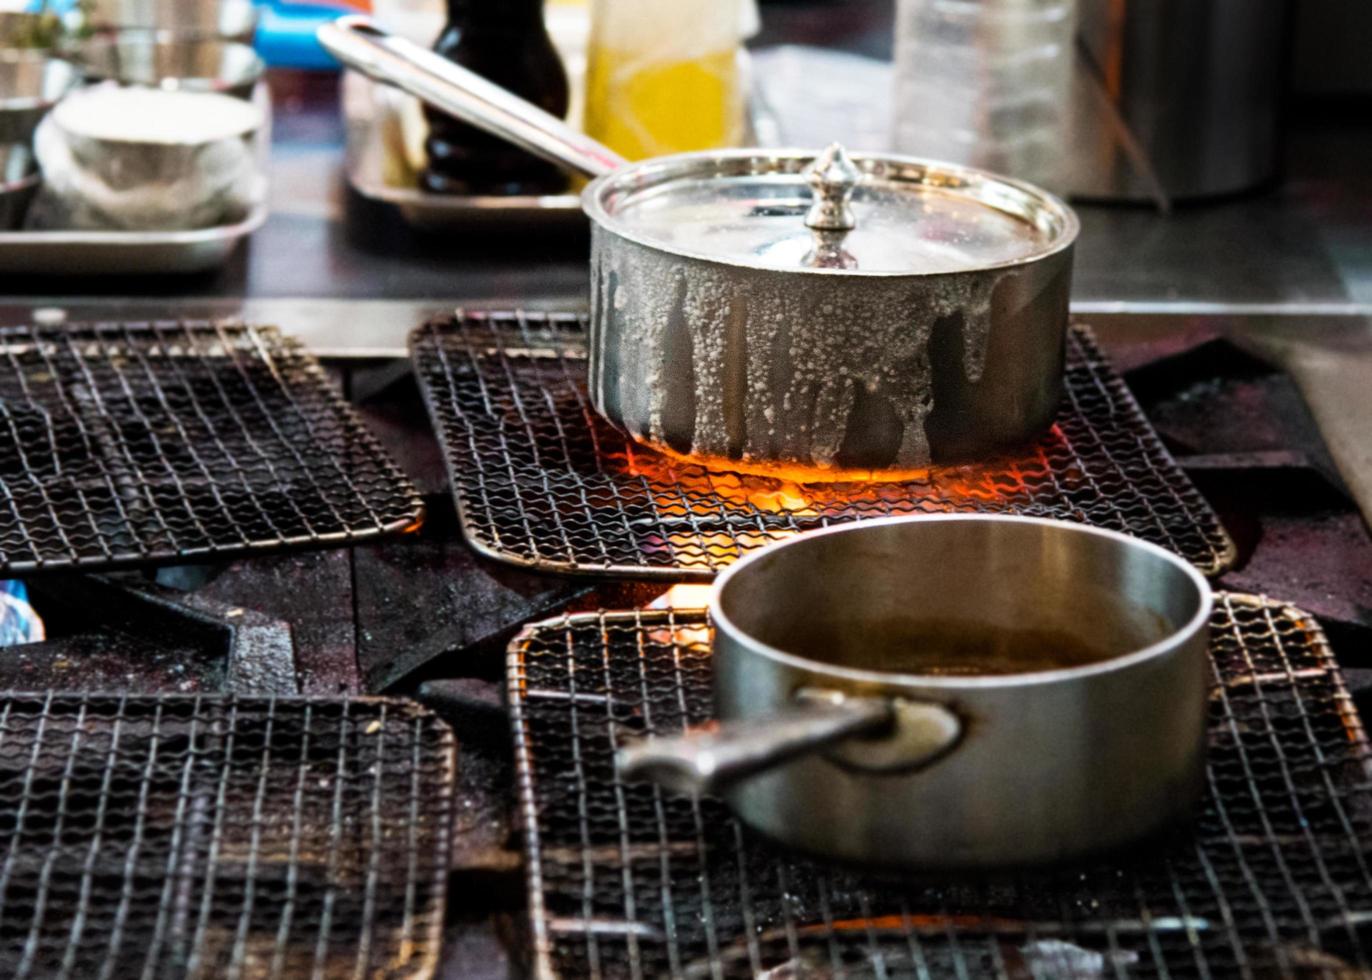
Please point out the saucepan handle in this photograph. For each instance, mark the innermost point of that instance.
(904, 736)
(360, 44)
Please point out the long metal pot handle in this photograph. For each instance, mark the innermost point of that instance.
(360, 44)
(908, 735)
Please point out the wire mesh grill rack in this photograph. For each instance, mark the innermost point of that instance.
(175, 836)
(542, 480)
(129, 443)
(632, 881)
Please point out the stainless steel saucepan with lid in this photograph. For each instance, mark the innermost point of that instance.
(952, 692)
(785, 308)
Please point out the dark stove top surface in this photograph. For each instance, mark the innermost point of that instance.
(424, 611)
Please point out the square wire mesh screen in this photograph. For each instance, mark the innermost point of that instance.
(542, 480)
(130, 443)
(627, 880)
(169, 837)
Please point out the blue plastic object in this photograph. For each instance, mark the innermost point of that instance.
(286, 34)
(18, 622)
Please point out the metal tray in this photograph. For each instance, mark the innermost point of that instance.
(126, 444)
(365, 161)
(91, 253)
(542, 481)
(180, 836)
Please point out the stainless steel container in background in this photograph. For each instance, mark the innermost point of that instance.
(230, 20)
(19, 182)
(31, 83)
(28, 30)
(858, 722)
(164, 61)
(1178, 99)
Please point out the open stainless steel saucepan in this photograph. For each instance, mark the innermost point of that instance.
(952, 692)
(782, 307)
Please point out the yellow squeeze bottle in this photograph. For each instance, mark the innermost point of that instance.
(664, 76)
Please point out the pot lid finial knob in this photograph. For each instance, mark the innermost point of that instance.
(832, 176)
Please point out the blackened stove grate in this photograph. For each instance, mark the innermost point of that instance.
(542, 480)
(129, 443)
(632, 881)
(176, 836)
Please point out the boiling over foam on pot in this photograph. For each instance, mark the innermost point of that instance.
(888, 359)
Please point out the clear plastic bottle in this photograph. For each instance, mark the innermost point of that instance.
(987, 83)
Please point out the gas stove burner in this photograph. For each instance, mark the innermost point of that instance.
(113, 634)
(213, 837)
(631, 881)
(541, 480)
(135, 443)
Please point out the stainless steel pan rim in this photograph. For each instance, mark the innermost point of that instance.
(1177, 637)
(1048, 214)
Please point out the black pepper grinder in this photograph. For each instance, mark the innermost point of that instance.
(506, 42)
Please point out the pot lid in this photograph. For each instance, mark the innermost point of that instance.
(831, 213)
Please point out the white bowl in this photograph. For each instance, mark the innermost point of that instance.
(143, 159)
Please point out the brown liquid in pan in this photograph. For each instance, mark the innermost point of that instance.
(952, 648)
(970, 649)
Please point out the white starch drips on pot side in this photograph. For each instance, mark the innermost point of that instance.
(803, 376)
